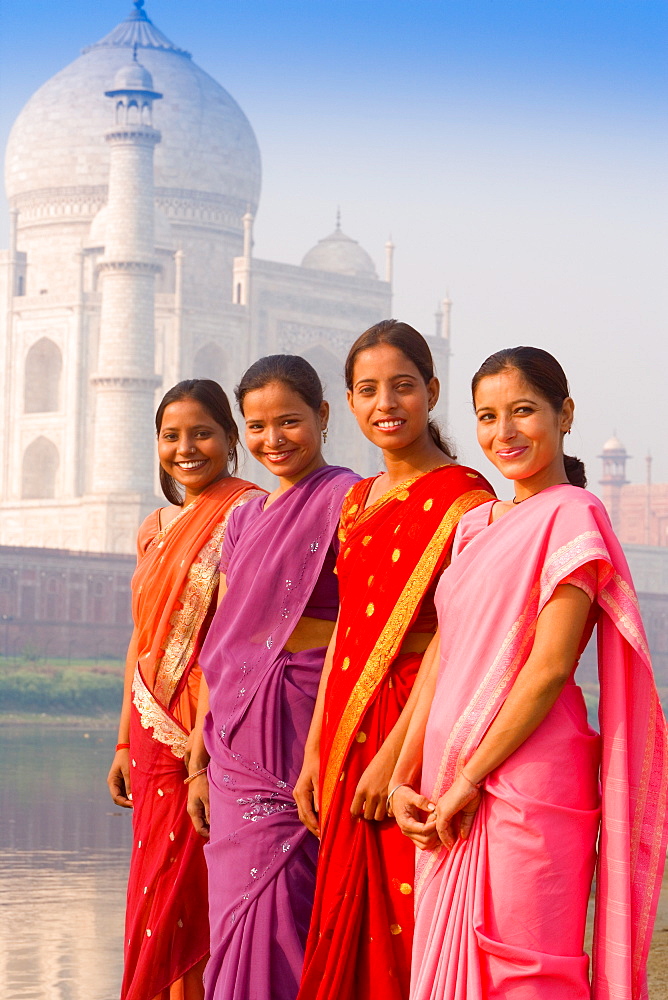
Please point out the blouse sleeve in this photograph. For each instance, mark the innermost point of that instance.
(583, 577)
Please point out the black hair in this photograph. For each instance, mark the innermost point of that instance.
(288, 369)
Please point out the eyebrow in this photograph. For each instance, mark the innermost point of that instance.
(281, 416)
(197, 427)
(361, 381)
(513, 403)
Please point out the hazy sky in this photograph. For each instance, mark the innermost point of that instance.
(514, 149)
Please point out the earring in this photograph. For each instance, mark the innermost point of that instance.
(324, 435)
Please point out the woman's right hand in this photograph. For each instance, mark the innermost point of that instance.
(118, 779)
(307, 793)
(198, 804)
(415, 816)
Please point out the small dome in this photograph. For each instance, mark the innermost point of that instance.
(133, 77)
(613, 445)
(340, 254)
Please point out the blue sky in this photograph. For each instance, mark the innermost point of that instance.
(514, 149)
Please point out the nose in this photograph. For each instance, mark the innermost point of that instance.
(186, 446)
(386, 399)
(506, 429)
(275, 437)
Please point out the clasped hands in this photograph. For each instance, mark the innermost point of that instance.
(426, 823)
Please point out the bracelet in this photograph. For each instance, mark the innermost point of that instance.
(402, 784)
(122, 746)
(477, 785)
(195, 774)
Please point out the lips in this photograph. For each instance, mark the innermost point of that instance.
(510, 453)
(278, 456)
(389, 425)
(192, 466)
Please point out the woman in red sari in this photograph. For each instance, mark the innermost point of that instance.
(173, 599)
(396, 532)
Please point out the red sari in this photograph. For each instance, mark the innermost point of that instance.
(173, 599)
(391, 556)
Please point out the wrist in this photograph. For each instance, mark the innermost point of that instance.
(198, 761)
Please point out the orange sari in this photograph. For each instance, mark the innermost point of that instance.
(173, 599)
(391, 556)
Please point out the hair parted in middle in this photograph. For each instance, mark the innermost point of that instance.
(289, 369)
(414, 347)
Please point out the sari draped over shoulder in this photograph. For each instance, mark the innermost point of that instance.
(390, 557)
(261, 859)
(173, 590)
(503, 913)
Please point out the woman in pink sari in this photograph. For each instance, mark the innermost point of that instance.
(520, 798)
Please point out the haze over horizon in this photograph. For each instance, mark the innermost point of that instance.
(515, 151)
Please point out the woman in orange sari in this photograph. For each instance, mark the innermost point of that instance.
(396, 532)
(173, 599)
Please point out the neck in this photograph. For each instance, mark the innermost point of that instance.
(192, 495)
(553, 475)
(285, 482)
(421, 456)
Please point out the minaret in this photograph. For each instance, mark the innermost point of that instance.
(124, 381)
(443, 332)
(389, 261)
(614, 459)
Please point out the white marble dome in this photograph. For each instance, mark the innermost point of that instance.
(208, 146)
(340, 254)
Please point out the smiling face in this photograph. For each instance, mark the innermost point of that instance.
(390, 399)
(283, 432)
(192, 447)
(520, 431)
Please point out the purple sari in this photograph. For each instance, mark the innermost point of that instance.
(261, 859)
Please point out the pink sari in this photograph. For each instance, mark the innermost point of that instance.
(502, 915)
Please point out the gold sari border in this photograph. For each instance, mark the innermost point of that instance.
(195, 600)
(391, 637)
(153, 716)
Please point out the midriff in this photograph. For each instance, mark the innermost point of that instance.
(310, 633)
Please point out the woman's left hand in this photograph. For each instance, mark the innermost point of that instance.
(455, 811)
(371, 793)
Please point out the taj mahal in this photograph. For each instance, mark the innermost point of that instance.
(133, 180)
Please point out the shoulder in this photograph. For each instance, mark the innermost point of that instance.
(464, 479)
(575, 502)
(148, 529)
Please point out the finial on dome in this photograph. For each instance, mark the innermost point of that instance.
(139, 4)
(338, 218)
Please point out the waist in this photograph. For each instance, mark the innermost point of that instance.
(309, 633)
(415, 642)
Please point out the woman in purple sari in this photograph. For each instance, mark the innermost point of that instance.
(262, 662)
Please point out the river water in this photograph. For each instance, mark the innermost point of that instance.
(64, 852)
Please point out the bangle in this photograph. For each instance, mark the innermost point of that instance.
(122, 746)
(477, 785)
(402, 784)
(195, 774)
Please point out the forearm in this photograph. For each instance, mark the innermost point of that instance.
(130, 665)
(199, 757)
(531, 698)
(539, 682)
(315, 729)
(396, 738)
(409, 758)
